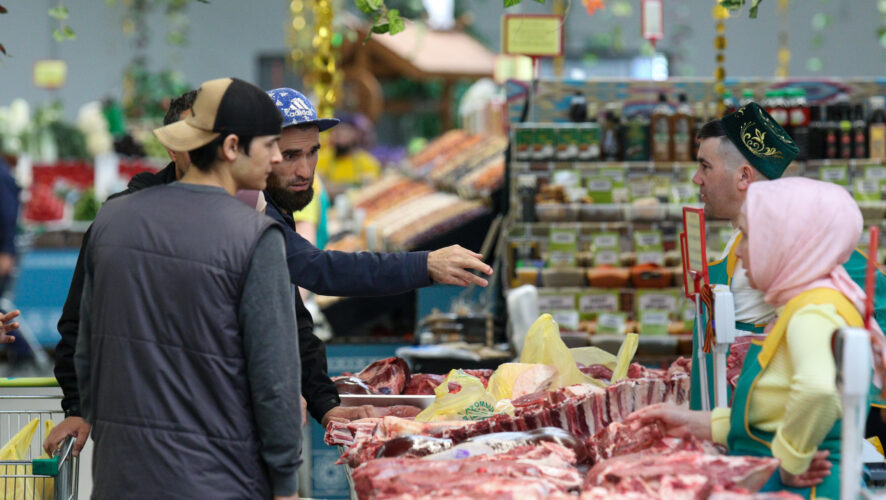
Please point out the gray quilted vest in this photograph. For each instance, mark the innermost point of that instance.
(171, 404)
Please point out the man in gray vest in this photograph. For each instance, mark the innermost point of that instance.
(187, 358)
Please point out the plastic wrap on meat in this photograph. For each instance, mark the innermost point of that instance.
(387, 376)
(423, 383)
(725, 472)
(350, 384)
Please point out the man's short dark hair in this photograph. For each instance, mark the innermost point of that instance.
(713, 128)
(204, 156)
(178, 106)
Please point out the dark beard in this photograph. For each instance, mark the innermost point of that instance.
(287, 200)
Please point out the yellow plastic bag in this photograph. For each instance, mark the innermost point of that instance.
(544, 345)
(17, 449)
(471, 402)
(527, 377)
(594, 356)
(625, 356)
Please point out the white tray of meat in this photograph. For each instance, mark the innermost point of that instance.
(419, 400)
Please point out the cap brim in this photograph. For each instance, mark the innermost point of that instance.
(181, 136)
(321, 123)
(327, 123)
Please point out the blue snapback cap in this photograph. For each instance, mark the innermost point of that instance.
(297, 109)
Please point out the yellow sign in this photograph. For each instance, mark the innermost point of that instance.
(512, 68)
(50, 73)
(532, 35)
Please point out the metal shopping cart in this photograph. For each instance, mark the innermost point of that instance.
(34, 478)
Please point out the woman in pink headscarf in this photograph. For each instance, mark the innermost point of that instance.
(797, 233)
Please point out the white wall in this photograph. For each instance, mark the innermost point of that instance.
(228, 35)
(225, 38)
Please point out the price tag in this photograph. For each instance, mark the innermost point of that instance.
(647, 239)
(611, 323)
(606, 240)
(654, 322)
(600, 189)
(656, 301)
(652, 257)
(684, 192)
(606, 258)
(568, 320)
(598, 302)
(534, 35)
(875, 173)
(563, 247)
(558, 302)
(867, 190)
(641, 189)
(838, 174)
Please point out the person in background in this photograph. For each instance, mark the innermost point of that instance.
(187, 358)
(9, 208)
(348, 163)
(729, 164)
(341, 274)
(796, 235)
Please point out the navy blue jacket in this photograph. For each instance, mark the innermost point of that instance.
(347, 274)
(9, 206)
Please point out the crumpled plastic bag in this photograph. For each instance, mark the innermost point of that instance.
(17, 449)
(594, 356)
(512, 380)
(459, 397)
(544, 345)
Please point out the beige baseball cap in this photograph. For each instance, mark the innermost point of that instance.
(225, 105)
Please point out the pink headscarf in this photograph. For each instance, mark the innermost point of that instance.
(801, 231)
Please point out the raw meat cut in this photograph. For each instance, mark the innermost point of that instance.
(528, 471)
(423, 383)
(413, 447)
(504, 442)
(352, 385)
(737, 352)
(581, 410)
(620, 439)
(481, 373)
(645, 472)
(599, 372)
(387, 376)
(733, 495)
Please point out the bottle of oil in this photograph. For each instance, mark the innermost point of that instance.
(877, 129)
(662, 131)
(684, 122)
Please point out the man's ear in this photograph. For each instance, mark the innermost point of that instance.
(746, 175)
(229, 148)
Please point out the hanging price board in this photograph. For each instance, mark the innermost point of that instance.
(695, 262)
(533, 35)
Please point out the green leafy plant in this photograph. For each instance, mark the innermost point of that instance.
(63, 32)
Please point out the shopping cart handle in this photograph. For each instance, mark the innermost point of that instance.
(28, 382)
(51, 466)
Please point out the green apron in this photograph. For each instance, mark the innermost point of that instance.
(746, 440)
(719, 273)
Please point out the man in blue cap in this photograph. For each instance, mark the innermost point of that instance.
(340, 274)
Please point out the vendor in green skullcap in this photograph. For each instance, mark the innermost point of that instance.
(735, 151)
